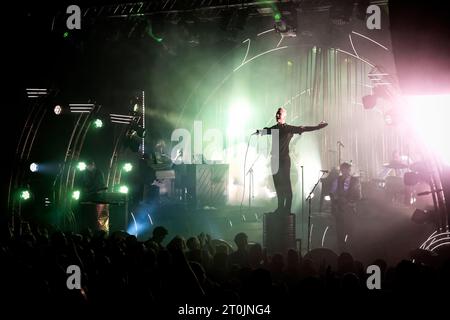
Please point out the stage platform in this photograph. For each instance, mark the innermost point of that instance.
(392, 233)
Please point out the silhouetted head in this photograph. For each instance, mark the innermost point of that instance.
(159, 233)
(193, 243)
(346, 169)
(241, 241)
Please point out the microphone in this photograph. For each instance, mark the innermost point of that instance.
(324, 171)
(341, 144)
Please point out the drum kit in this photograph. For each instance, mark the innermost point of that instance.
(392, 187)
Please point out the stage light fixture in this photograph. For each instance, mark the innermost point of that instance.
(98, 123)
(25, 195)
(57, 110)
(286, 22)
(369, 101)
(76, 195)
(127, 167)
(123, 189)
(81, 166)
(277, 17)
(34, 167)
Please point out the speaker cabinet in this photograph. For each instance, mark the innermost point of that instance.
(278, 232)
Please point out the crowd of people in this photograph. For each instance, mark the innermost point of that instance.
(118, 270)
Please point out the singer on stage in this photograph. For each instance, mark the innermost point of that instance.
(281, 162)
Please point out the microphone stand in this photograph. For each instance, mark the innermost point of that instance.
(340, 145)
(303, 203)
(309, 198)
(251, 187)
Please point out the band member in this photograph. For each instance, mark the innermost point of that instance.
(395, 190)
(281, 162)
(160, 159)
(92, 184)
(345, 192)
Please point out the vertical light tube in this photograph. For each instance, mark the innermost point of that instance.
(143, 122)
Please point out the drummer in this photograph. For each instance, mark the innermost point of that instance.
(395, 167)
(392, 174)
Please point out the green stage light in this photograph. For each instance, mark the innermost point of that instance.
(241, 107)
(127, 167)
(136, 108)
(277, 17)
(66, 34)
(81, 166)
(98, 123)
(25, 195)
(76, 195)
(123, 189)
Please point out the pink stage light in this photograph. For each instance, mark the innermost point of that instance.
(429, 116)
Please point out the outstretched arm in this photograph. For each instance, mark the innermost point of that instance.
(301, 129)
(265, 131)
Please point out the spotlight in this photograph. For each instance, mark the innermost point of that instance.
(34, 167)
(98, 123)
(57, 110)
(136, 108)
(277, 17)
(81, 166)
(76, 195)
(123, 189)
(286, 20)
(369, 101)
(127, 167)
(327, 198)
(25, 195)
(285, 29)
(280, 26)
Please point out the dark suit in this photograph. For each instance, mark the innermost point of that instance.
(281, 162)
(345, 193)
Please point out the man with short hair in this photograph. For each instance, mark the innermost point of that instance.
(281, 161)
(159, 233)
(345, 192)
(240, 256)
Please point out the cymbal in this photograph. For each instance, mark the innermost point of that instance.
(395, 165)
